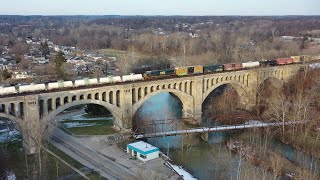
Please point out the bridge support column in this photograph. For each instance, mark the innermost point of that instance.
(197, 93)
(126, 106)
(30, 124)
(205, 136)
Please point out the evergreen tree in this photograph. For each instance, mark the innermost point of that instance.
(60, 59)
(44, 48)
(6, 74)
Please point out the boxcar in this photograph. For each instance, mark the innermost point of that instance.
(296, 59)
(232, 66)
(195, 69)
(181, 71)
(282, 61)
(213, 68)
(250, 64)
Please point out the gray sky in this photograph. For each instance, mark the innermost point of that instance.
(160, 7)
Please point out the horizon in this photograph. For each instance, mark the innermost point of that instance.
(161, 8)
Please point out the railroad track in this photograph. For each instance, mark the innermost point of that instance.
(106, 166)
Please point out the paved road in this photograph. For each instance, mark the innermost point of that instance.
(107, 167)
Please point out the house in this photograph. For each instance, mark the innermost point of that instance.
(143, 151)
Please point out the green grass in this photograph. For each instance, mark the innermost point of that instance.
(110, 52)
(96, 116)
(105, 127)
(65, 157)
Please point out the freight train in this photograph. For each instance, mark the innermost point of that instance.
(156, 74)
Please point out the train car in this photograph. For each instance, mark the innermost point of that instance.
(232, 66)
(60, 84)
(307, 58)
(31, 88)
(159, 74)
(296, 59)
(81, 82)
(282, 61)
(213, 68)
(268, 63)
(85, 82)
(110, 79)
(195, 69)
(181, 71)
(7, 90)
(106, 80)
(132, 77)
(250, 64)
(116, 79)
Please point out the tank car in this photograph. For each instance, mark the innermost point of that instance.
(132, 77)
(7, 90)
(31, 88)
(250, 64)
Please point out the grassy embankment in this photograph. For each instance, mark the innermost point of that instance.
(102, 127)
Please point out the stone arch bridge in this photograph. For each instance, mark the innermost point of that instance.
(123, 100)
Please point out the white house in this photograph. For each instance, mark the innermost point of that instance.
(143, 151)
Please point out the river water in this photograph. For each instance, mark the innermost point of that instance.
(210, 160)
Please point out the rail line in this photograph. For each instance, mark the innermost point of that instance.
(131, 82)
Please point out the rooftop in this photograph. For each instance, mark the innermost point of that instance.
(143, 147)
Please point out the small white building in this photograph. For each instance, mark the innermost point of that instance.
(143, 151)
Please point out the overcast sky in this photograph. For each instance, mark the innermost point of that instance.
(160, 7)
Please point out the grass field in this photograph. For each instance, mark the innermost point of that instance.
(101, 127)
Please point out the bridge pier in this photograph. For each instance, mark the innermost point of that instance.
(205, 136)
(31, 124)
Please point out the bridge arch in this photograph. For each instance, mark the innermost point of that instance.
(273, 78)
(11, 118)
(186, 100)
(241, 89)
(114, 110)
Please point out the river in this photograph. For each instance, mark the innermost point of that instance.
(212, 160)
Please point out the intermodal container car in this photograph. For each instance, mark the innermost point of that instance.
(281, 61)
(181, 71)
(213, 68)
(232, 66)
